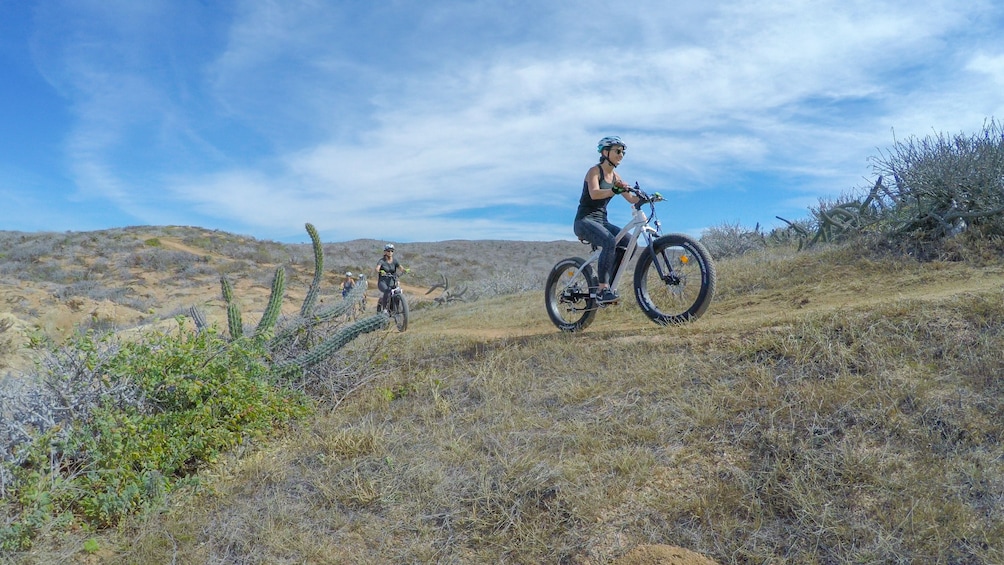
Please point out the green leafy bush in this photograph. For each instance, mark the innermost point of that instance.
(191, 397)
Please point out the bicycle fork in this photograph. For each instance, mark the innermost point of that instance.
(659, 260)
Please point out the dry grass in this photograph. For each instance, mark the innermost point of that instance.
(830, 408)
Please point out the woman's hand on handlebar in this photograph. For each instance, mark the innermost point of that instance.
(642, 195)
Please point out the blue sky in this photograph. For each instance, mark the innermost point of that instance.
(426, 121)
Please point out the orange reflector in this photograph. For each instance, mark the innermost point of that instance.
(684, 259)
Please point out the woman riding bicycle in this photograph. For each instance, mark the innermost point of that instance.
(348, 284)
(601, 184)
(387, 269)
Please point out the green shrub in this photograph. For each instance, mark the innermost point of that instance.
(200, 396)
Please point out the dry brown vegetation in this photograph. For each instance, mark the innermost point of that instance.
(831, 407)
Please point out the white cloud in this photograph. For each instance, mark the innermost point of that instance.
(347, 115)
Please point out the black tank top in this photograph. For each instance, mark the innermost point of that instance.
(594, 209)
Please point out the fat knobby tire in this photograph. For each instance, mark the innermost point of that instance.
(570, 316)
(399, 311)
(707, 279)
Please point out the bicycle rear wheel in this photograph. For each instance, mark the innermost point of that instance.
(567, 295)
(399, 312)
(674, 280)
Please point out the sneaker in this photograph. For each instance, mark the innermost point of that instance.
(607, 296)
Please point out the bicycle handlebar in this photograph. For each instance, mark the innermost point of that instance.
(644, 197)
(384, 273)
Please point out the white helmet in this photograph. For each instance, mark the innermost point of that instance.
(608, 142)
(388, 247)
(348, 274)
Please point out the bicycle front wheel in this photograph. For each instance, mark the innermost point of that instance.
(567, 295)
(399, 312)
(674, 280)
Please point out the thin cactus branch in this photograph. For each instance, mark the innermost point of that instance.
(315, 286)
(332, 344)
(271, 314)
(340, 308)
(833, 217)
(345, 305)
(448, 295)
(443, 284)
(234, 322)
(227, 288)
(799, 229)
(199, 318)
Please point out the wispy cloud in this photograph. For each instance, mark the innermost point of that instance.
(433, 120)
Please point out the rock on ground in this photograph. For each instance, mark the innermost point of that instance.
(662, 555)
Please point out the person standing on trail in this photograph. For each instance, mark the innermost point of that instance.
(387, 269)
(348, 284)
(601, 184)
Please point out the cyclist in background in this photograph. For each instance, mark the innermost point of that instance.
(601, 184)
(387, 269)
(348, 284)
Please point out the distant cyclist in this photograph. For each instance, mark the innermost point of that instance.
(348, 284)
(601, 184)
(387, 269)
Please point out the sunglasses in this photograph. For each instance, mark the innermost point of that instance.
(620, 151)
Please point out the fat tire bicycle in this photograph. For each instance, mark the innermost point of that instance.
(397, 304)
(674, 277)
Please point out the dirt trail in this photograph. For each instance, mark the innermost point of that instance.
(927, 283)
(176, 245)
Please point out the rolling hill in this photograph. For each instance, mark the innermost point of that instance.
(832, 406)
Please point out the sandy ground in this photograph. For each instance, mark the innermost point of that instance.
(662, 555)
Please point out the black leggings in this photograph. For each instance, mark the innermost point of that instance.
(600, 234)
(384, 286)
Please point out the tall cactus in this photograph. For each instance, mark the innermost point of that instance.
(274, 306)
(302, 325)
(234, 321)
(333, 312)
(315, 285)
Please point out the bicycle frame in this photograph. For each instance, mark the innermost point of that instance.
(635, 229)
